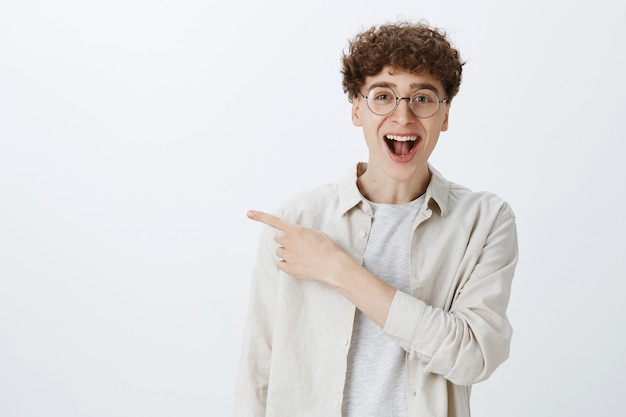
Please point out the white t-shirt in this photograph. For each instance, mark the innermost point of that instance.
(376, 376)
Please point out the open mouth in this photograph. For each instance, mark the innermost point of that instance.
(401, 145)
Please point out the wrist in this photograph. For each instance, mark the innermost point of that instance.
(345, 269)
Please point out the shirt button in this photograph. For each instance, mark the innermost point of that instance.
(345, 342)
(362, 233)
(337, 403)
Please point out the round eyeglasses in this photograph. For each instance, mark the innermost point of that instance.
(423, 103)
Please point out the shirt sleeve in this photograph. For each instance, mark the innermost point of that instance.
(469, 341)
(256, 353)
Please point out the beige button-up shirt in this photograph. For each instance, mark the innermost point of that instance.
(453, 324)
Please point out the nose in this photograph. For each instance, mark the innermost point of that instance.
(403, 113)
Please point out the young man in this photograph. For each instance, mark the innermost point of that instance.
(383, 294)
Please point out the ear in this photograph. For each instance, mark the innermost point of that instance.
(356, 111)
(444, 122)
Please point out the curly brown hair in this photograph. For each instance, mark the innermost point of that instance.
(417, 48)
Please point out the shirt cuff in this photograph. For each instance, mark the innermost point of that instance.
(403, 318)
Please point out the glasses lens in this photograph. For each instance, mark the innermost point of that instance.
(381, 100)
(424, 103)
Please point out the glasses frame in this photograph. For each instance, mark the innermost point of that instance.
(409, 100)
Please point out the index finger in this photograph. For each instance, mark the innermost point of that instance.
(270, 220)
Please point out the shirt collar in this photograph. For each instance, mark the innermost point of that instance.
(349, 195)
(437, 191)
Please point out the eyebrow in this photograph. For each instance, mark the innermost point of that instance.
(414, 86)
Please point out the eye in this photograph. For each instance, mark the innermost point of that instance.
(384, 98)
(382, 95)
(424, 97)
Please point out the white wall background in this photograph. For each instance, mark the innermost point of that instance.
(135, 134)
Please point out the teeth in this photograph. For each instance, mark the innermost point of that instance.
(402, 138)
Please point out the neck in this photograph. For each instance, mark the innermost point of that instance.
(387, 190)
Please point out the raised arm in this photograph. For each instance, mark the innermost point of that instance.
(311, 255)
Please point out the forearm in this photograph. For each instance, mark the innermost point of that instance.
(372, 296)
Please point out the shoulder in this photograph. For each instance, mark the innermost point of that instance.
(461, 194)
(455, 200)
(479, 205)
(311, 206)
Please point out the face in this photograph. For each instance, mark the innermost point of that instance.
(400, 143)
